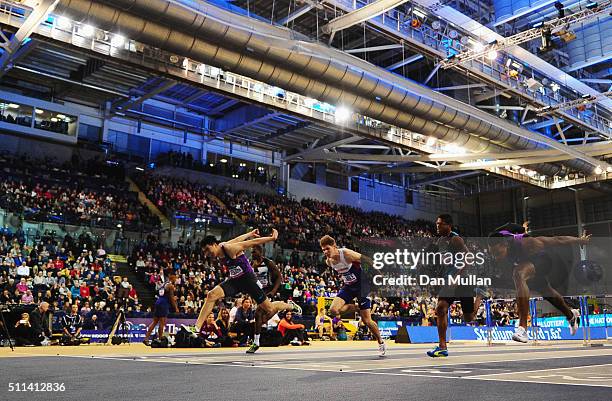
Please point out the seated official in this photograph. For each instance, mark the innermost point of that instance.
(39, 319)
(72, 326)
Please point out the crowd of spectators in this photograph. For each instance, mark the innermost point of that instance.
(76, 192)
(172, 195)
(231, 168)
(69, 274)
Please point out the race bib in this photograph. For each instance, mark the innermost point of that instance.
(349, 278)
(235, 271)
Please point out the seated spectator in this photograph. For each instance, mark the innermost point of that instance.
(293, 334)
(223, 324)
(24, 335)
(244, 324)
(323, 323)
(210, 334)
(27, 298)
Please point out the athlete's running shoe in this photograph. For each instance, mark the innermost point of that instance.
(520, 335)
(296, 308)
(252, 349)
(574, 322)
(382, 349)
(438, 353)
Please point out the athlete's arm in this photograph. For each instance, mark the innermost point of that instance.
(243, 237)
(275, 272)
(172, 298)
(234, 248)
(457, 243)
(535, 244)
(352, 256)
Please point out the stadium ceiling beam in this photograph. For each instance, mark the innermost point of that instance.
(404, 62)
(224, 106)
(139, 100)
(597, 81)
(458, 87)
(445, 178)
(479, 165)
(543, 124)
(525, 11)
(489, 95)
(195, 96)
(517, 108)
(374, 49)
(10, 47)
(250, 123)
(361, 14)
(299, 156)
(296, 14)
(382, 147)
(599, 149)
(284, 131)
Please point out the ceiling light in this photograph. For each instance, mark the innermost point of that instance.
(64, 23)
(342, 114)
(492, 55)
(13, 106)
(478, 47)
(117, 40)
(87, 30)
(598, 170)
(39, 111)
(224, 160)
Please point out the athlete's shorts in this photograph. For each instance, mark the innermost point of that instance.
(348, 293)
(551, 269)
(246, 284)
(162, 309)
(467, 303)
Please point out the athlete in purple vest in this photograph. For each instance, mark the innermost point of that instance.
(347, 263)
(535, 260)
(242, 279)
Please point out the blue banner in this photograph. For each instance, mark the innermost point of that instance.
(498, 334)
(561, 321)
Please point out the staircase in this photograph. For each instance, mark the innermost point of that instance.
(165, 223)
(146, 294)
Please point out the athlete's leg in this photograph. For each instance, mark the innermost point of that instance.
(162, 327)
(558, 302)
(263, 313)
(212, 297)
(151, 328)
(442, 321)
(337, 306)
(520, 275)
(366, 318)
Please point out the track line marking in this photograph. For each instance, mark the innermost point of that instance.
(542, 370)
